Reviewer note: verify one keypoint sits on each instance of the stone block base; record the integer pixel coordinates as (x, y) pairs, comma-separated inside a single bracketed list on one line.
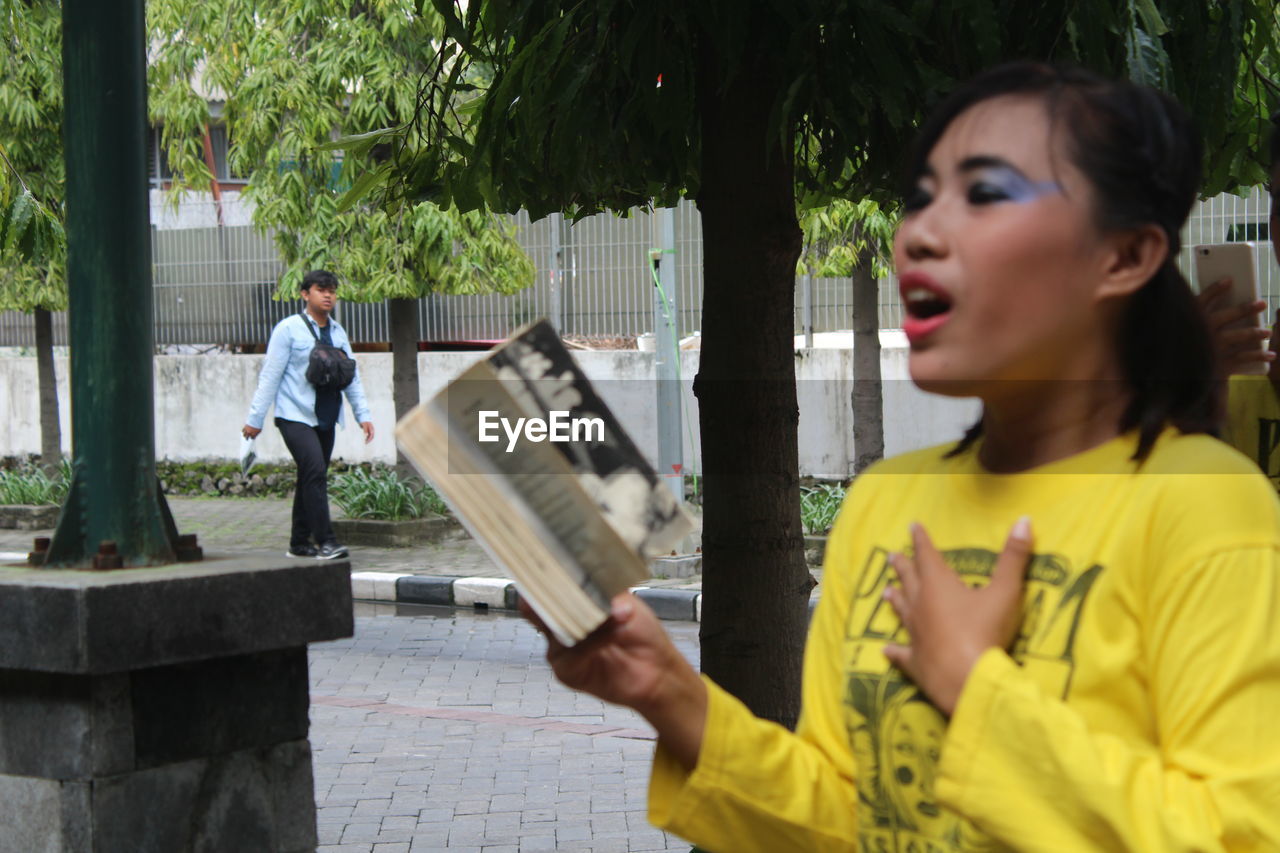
[(208, 755), (683, 566), (21, 517), (395, 534), (162, 710), (255, 799), (815, 549)]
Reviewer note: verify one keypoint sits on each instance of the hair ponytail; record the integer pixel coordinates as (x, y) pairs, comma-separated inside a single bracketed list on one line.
[(1168, 360)]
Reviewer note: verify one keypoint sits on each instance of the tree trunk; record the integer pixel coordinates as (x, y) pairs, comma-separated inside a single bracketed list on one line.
[(50, 428), (868, 394), (403, 317), (755, 583)]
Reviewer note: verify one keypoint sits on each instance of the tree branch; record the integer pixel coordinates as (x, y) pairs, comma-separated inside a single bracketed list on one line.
[(16, 174)]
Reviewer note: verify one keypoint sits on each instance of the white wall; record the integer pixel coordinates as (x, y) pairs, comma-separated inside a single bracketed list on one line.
[(201, 402), (198, 210), (20, 403)]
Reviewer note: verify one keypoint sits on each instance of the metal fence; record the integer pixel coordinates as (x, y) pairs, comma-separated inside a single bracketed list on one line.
[(1221, 219), (593, 279), (1231, 218), (215, 284)]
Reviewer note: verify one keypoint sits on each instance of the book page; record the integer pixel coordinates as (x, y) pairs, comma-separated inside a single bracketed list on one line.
[(510, 535), (539, 475), (540, 471), (542, 377)]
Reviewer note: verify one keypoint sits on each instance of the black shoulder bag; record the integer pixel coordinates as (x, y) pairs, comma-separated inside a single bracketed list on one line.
[(330, 368)]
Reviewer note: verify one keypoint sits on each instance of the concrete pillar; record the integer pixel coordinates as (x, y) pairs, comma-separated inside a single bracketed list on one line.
[(162, 710)]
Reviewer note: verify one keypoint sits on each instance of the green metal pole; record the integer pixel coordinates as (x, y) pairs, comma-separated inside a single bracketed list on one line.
[(114, 494)]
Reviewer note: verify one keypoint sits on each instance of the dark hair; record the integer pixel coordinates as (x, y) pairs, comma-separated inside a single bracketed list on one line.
[(1140, 152), (324, 279)]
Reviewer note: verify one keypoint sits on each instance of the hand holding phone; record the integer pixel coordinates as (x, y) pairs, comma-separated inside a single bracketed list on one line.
[(1235, 318)]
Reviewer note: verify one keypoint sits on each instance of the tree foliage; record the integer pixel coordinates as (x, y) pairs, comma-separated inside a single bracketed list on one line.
[(32, 246), (594, 105), (843, 235), (293, 75)]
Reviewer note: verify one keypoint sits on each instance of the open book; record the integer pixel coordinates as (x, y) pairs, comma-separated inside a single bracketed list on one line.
[(541, 473)]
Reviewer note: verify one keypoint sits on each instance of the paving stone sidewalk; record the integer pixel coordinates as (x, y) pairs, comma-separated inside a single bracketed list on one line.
[(257, 525), (440, 729)]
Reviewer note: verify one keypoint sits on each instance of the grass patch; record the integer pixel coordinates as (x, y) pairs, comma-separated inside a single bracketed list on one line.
[(381, 495), (819, 506), (28, 485)]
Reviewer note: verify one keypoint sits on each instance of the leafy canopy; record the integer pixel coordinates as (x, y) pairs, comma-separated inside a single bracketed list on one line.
[(291, 75), (296, 72), (350, 76), (595, 104), (32, 246), (843, 236)]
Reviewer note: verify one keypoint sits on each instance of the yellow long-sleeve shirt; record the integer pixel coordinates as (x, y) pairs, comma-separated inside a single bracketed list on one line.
[(1139, 709), (1253, 422)]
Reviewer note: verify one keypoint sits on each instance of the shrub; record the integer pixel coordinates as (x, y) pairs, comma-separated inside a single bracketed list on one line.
[(29, 485), (379, 494), (222, 478), (819, 506)]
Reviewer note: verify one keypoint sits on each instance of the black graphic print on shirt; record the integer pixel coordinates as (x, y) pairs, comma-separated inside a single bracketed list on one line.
[(896, 734), (1268, 443)]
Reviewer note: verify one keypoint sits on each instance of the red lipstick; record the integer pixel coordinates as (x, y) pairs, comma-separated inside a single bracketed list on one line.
[(927, 305)]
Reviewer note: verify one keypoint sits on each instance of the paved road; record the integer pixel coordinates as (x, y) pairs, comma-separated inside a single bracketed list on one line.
[(444, 729)]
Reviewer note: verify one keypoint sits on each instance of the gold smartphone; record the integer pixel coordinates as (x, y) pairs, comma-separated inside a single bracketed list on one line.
[(1235, 261)]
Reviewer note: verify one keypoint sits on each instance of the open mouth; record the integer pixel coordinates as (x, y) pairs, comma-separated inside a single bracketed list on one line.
[(925, 304)]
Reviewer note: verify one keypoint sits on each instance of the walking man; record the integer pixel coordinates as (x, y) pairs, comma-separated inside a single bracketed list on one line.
[(307, 416)]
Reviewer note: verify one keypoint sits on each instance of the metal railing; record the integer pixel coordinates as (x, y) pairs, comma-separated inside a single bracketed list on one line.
[(1223, 218), (215, 284)]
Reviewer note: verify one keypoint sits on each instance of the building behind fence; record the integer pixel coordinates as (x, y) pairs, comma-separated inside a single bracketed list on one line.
[(215, 284)]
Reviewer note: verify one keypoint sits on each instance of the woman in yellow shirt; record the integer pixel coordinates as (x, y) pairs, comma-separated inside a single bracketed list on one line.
[(1058, 634), (1252, 422)]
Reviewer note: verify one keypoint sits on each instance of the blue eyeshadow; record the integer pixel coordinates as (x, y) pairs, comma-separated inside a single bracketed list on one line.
[(1016, 186)]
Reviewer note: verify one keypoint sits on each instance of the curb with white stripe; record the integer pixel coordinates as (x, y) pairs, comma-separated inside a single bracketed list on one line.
[(498, 593)]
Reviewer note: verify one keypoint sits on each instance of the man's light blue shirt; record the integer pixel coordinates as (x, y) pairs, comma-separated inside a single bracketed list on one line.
[(283, 380)]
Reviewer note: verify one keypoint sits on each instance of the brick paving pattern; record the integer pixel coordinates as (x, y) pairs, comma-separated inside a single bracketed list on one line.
[(445, 730)]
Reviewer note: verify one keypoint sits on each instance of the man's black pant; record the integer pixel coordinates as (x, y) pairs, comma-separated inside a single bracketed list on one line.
[(311, 448)]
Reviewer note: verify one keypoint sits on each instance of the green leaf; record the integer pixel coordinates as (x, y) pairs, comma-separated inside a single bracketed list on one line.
[(359, 144), (1152, 22), (16, 234), (362, 187), (1146, 60)]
